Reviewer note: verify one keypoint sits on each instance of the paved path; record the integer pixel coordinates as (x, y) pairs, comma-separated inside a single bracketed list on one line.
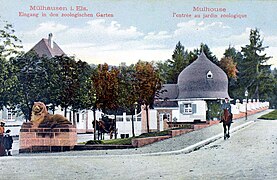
[(249, 154)]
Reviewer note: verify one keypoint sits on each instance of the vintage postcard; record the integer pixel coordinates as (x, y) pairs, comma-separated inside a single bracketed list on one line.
[(178, 88)]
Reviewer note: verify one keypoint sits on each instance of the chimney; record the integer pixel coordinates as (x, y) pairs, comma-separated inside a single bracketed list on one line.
[(50, 41)]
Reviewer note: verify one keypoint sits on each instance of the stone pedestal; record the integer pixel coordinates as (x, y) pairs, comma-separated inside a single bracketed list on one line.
[(62, 137)]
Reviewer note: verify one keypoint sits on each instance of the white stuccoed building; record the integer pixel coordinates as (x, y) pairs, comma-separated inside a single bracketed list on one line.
[(187, 101)]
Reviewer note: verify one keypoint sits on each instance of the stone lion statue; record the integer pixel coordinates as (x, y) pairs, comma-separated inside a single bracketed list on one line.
[(40, 115)]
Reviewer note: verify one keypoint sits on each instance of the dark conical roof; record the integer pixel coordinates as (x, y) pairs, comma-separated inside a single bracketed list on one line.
[(202, 79)]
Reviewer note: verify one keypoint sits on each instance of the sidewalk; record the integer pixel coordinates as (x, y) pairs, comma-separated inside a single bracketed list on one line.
[(172, 144)]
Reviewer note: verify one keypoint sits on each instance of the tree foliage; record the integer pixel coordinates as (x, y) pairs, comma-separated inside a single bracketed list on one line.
[(105, 82), (31, 85), (9, 42), (193, 55), (9, 46), (69, 84), (148, 85), (234, 88), (253, 71), (128, 94), (229, 66), (177, 63)]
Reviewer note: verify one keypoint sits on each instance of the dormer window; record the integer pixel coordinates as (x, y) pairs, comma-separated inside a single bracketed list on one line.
[(209, 75)]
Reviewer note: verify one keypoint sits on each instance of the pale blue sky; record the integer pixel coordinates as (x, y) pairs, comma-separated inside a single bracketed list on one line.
[(143, 30)]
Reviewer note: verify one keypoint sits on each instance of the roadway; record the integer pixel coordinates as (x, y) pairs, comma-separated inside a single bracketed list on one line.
[(250, 153)]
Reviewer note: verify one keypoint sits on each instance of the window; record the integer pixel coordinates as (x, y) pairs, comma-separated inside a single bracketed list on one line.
[(165, 116), (209, 75), (119, 118), (78, 117), (187, 108), (11, 114)]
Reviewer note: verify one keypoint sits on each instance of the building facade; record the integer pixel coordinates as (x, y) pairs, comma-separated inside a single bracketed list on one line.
[(187, 101)]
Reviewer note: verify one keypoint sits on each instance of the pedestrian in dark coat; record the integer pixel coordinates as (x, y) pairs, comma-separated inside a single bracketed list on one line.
[(8, 141)]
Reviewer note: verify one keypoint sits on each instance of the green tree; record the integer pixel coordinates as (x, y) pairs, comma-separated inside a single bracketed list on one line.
[(273, 98), (235, 58), (163, 68), (254, 74), (177, 64), (193, 55), (9, 42), (51, 87), (31, 85), (83, 97), (9, 47), (128, 94), (69, 84)]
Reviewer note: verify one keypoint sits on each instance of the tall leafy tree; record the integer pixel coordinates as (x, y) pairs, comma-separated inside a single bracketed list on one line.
[(105, 83), (253, 71), (128, 94), (9, 42), (193, 55), (31, 82), (208, 53), (273, 97), (148, 85), (7, 81), (52, 82), (235, 57), (229, 66), (9, 47), (163, 68), (69, 84), (83, 97)]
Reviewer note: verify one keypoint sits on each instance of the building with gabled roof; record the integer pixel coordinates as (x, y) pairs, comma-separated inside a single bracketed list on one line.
[(48, 47)]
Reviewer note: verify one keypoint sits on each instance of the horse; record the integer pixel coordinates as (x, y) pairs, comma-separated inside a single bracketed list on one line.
[(105, 126), (226, 119)]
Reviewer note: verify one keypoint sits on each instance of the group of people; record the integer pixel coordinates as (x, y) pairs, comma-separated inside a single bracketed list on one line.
[(6, 141)]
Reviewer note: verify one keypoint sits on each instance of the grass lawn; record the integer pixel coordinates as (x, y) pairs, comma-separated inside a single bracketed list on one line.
[(127, 141), (270, 116)]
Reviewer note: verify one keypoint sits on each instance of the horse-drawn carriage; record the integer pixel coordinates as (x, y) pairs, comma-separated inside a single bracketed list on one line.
[(105, 125)]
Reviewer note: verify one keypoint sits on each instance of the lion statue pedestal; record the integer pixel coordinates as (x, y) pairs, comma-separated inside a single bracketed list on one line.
[(46, 133)]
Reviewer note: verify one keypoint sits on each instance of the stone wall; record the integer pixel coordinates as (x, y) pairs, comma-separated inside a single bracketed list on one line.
[(45, 139)]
